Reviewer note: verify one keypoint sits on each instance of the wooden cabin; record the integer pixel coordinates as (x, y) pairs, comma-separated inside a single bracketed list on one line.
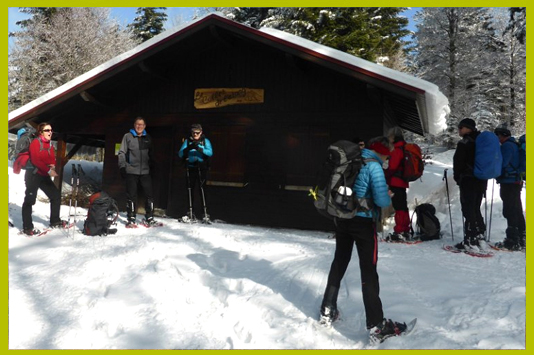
[(270, 103)]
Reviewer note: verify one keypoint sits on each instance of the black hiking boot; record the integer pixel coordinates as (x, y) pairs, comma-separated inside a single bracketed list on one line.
[(59, 224), (328, 315)]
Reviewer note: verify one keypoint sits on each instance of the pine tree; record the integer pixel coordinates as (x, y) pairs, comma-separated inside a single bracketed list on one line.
[(149, 22)]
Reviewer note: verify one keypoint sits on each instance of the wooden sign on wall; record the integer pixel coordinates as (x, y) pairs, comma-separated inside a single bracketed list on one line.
[(220, 97)]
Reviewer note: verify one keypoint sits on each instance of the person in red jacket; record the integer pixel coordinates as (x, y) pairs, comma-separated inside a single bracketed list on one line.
[(398, 186), (39, 176)]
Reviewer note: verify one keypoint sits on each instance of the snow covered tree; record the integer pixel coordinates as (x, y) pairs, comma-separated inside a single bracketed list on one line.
[(149, 22), (49, 52), (458, 49)]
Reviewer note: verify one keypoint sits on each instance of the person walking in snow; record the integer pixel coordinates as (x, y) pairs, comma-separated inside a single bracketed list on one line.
[(42, 157), (196, 151), (135, 165), (361, 230), (398, 186), (472, 190), (511, 184)]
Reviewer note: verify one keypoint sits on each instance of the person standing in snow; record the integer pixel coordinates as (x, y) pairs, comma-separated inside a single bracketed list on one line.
[(511, 184), (472, 190), (361, 230), (135, 164), (398, 185), (195, 151), (43, 159)]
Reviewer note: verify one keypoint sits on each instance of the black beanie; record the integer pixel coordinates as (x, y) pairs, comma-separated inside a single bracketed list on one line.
[(468, 123)]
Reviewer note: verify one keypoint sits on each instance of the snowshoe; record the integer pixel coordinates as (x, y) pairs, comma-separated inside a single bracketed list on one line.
[(33, 232), (328, 316), (388, 328), (149, 223), (187, 219), (206, 219), (131, 224)]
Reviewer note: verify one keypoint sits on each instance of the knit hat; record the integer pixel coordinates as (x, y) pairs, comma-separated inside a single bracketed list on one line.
[(196, 126), (468, 123), (502, 130), (380, 148)]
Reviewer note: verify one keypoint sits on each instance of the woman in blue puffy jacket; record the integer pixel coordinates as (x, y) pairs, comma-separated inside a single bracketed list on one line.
[(361, 230), (195, 151)]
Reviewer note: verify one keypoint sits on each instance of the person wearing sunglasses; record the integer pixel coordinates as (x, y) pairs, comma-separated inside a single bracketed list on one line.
[(135, 162), (39, 176), (195, 152)]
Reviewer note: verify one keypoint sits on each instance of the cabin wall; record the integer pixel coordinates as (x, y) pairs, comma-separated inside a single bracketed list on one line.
[(265, 155)]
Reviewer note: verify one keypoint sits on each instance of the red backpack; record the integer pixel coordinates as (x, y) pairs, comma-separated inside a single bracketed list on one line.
[(413, 164)]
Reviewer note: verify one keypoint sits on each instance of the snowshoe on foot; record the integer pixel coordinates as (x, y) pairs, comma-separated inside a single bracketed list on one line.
[(188, 219), (58, 225), (386, 329), (131, 223), (328, 316), (31, 232)]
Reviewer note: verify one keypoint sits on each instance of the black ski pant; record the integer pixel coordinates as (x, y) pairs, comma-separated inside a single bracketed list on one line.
[(35, 182), (132, 184), (512, 208), (362, 232), (196, 181), (472, 190)]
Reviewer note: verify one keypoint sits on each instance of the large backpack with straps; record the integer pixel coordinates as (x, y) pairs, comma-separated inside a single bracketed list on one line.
[(103, 212), (488, 156), (428, 226), (333, 194), (25, 136), (413, 164)]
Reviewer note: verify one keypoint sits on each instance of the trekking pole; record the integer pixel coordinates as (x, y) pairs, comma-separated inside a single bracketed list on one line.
[(485, 214), (206, 218), (491, 208), (448, 199), (73, 173), (190, 195), (80, 171)]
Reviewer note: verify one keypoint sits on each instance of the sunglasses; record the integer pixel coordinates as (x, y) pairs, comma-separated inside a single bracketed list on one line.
[(47, 130), (196, 132)]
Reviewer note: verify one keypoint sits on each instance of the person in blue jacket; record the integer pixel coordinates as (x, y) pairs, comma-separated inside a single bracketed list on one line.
[(361, 230), (511, 184), (196, 151)]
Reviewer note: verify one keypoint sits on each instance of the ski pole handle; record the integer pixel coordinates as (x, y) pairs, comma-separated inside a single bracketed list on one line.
[(445, 174)]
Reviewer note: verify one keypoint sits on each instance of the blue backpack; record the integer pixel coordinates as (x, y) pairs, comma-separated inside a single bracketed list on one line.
[(488, 157)]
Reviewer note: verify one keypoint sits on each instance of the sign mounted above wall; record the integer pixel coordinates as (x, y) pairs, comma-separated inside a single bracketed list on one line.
[(220, 97)]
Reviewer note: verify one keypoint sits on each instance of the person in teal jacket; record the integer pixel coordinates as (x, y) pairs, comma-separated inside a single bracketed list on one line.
[(196, 152), (361, 230)]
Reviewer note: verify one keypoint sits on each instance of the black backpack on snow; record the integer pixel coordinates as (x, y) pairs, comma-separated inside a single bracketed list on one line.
[(333, 194), (103, 212), (428, 226)]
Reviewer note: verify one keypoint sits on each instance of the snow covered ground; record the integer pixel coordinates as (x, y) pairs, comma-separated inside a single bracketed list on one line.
[(226, 286)]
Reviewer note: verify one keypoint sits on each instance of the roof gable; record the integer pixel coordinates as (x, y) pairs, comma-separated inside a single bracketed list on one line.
[(432, 105)]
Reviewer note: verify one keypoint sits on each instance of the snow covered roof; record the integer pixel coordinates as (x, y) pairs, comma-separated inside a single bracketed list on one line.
[(432, 105)]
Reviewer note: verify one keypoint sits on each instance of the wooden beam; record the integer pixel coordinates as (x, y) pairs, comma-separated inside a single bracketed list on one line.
[(90, 98)]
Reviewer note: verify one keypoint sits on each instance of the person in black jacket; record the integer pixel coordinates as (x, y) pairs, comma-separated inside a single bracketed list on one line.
[(471, 189), (135, 162)]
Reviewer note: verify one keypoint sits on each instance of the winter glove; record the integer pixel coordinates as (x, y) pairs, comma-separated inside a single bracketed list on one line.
[(123, 172), (199, 149)]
